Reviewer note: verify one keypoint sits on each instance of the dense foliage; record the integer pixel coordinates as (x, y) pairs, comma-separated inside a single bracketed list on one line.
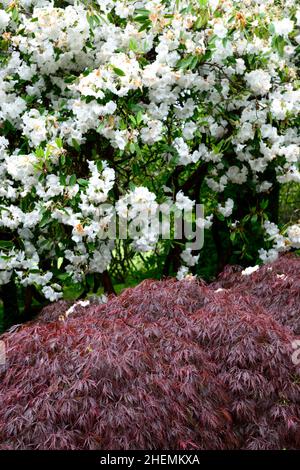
[(276, 288), (138, 103), (165, 365)]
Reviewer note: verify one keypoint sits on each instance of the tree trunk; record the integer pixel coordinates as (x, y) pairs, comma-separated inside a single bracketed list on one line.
[(107, 283), (223, 244), (9, 295), (172, 261)]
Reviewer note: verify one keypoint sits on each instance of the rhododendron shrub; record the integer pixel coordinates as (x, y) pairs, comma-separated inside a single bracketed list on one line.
[(136, 104), (165, 365)]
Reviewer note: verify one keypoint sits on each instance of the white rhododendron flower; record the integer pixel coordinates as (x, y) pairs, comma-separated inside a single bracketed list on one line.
[(4, 20), (188, 258), (226, 210), (283, 27), (182, 273), (259, 81), (293, 233), (220, 30), (250, 270)]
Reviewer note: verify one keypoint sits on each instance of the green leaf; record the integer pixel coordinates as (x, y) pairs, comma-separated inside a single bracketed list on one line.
[(14, 14), (100, 127), (194, 63), (62, 180), (142, 12), (59, 142), (45, 219), (63, 276), (145, 26), (133, 45), (93, 20), (6, 244), (119, 72), (73, 291), (132, 147), (202, 19), (264, 204), (90, 280), (132, 120), (185, 62), (76, 145), (142, 16), (70, 79), (60, 261), (279, 44), (39, 152), (139, 118), (72, 180), (271, 28), (82, 182)]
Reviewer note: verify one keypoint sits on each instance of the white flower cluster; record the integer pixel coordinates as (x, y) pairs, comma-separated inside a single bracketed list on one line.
[(138, 211), (281, 241), (226, 210)]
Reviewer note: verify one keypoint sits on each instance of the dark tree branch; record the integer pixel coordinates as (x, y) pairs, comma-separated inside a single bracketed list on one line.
[(9, 295), (107, 283), (194, 182)]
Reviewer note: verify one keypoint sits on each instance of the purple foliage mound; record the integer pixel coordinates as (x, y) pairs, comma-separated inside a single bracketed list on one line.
[(166, 365), (275, 287)]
